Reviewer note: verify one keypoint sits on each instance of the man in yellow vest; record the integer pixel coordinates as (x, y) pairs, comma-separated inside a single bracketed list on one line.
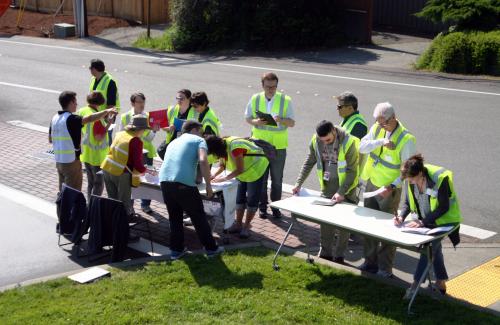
[(388, 144), (352, 120), (95, 144), (431, 195), (279, 106), (334, 152), (104, 83), (138, 102)]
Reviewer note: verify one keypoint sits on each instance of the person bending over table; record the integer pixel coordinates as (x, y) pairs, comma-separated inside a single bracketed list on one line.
[(429, 193), (245, 161), (335, 154)]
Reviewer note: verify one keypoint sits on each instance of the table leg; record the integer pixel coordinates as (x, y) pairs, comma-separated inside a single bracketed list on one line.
[(428, 248), (276, 266), (308, 248)]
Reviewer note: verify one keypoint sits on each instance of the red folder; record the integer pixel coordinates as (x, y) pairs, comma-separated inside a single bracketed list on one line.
[(158, 117)]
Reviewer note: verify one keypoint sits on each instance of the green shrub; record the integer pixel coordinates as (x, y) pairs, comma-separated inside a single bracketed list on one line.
[(463, 52)]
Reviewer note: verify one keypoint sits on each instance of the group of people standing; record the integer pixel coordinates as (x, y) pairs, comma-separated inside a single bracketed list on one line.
[(345, 156)]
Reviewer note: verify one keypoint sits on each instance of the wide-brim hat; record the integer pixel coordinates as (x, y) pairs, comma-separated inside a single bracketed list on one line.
[(138, 122)]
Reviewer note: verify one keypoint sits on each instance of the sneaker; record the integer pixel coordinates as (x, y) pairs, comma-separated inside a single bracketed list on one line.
[(263, 214), (217, 252), (245, 233), (234, 229), (277, 214), (187, 221), (385, 274), (366, 267), (147, 209), (175, 255), (339, 260)]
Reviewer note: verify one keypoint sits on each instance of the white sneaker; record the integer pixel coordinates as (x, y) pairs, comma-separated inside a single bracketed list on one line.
[(187, 221)]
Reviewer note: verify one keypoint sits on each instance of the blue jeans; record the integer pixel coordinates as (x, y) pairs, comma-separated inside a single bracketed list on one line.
[(438, 263), (275, 169), (248, 194)]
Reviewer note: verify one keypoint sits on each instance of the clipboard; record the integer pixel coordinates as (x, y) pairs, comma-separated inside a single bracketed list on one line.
[(266, 117)]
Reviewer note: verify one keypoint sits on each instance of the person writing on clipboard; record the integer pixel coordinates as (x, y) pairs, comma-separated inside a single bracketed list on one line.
[(334, 152), (429, 193)]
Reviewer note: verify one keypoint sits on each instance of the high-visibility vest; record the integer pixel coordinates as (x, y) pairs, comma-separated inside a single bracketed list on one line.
[(173, 112), (93, 151), (438, 174), (348, 141), (354, 119), (210, 119), (254, 166), (64, 149), (275, 135), (117, 157), (102, 87), (148, 135), (383, 165)]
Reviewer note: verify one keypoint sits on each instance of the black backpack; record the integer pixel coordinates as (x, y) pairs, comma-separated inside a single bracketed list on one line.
[(269, 150)]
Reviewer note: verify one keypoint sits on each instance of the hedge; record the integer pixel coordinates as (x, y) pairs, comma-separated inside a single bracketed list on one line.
[(463, 52)]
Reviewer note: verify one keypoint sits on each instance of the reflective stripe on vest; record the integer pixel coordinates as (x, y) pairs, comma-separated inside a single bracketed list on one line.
[(383, 168), (147, 137), (102, 87), (64, 149), (275, 135), (341, 161), (173, 112), (254, 166), (93, 151), (210, 119), (117, 158), (438, 174)]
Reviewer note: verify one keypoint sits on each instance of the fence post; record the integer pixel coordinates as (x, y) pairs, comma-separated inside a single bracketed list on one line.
[(149, 18)]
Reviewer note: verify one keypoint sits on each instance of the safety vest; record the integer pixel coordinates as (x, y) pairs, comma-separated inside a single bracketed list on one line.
[(275, 135), (102, 87), (354, 119), (148, 135), (383, 165), (117, 157), (173, 112), (93, 151), (254, 166), (64, 149), (210, 119), (438, 174), (348, 141)]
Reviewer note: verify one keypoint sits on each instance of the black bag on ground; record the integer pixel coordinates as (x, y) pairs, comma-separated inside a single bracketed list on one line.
[(269, 150)]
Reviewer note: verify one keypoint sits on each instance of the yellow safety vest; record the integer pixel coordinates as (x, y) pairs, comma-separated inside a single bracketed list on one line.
[(254, 166), (148, 135), (173, 112), (438, 174), (102, 87), (354, 119), (210, 119), (349, 140), (93, 151), (275, 135), (383, 165)]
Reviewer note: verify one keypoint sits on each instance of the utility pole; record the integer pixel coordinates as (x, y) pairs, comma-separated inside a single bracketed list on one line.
[(149, 19)]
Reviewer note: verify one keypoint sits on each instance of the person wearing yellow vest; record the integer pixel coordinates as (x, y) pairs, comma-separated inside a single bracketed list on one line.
[(206, 115), (352, 120), (246, 162), (104, 83), (124, 161), (138, 102), (431, 195), (181, 111), (65, 134), (279, 106), (387, 145), (334, 152), (95, 144)]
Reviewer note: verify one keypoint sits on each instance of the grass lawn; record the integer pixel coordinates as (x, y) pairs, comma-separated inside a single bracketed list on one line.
[(239, 287)]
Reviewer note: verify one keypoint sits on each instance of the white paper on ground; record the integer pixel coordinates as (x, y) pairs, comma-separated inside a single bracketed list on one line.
[(89, 275), (367, 195)]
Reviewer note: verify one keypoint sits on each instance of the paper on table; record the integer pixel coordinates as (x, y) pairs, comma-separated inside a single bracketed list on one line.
[(154, 179), (367, 195)]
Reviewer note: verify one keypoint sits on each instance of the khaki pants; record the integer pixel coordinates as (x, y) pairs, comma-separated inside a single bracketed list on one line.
[(70, 174), (378, 253), (119, 188)]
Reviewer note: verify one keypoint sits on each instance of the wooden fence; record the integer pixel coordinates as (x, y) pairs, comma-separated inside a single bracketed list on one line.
[(135, 10)]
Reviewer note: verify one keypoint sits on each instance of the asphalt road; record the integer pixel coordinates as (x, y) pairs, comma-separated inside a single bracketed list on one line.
[(455, 119)]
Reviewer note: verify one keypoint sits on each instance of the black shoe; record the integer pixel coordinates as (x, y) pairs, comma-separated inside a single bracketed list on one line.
[(365, 267), (328, 258), (133, 238), (277, 214), (339, 260), (263, 214)]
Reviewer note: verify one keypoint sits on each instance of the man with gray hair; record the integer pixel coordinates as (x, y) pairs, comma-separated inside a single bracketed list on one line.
[(388, 145), (352, 121)]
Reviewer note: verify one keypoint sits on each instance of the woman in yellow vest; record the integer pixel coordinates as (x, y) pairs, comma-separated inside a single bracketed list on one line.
[(95, 144), (246, 162), (181, 111), (206, 115), (138, 102), (429, 193)]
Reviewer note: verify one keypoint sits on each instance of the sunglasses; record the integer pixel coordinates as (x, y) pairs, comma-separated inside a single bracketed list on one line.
[(180, 98), (339, 107)]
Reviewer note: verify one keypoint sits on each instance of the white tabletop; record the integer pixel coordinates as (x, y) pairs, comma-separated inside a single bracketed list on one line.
[(353, 218)]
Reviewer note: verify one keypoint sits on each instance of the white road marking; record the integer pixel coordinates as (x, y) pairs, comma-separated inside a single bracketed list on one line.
[(30, 201), (287, 188), (52, 91), (356, 79)]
